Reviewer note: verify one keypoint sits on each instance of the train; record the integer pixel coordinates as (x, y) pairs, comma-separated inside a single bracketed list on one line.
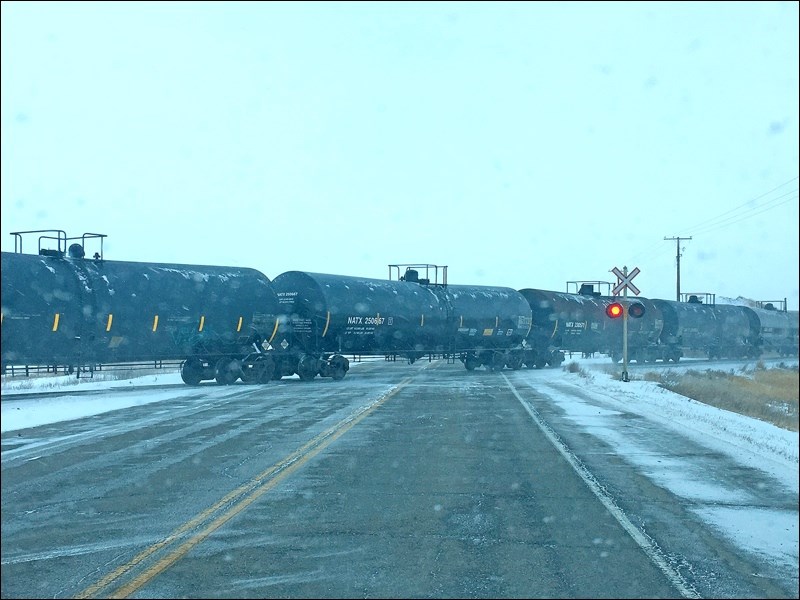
[(666, 330), (225, 324)]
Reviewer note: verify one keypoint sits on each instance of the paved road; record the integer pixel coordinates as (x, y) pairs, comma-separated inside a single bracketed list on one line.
[(402, 480)]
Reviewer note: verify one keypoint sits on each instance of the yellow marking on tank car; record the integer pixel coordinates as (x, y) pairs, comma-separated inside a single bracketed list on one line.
[(327, 322), (202, 322), (488, 331), (155, 323), (108, 324), (239, 326), (274, 331), (56, 319)]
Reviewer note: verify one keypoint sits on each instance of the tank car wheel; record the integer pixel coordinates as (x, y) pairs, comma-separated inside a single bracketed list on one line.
[(192, 371), (339, 367), (471, 362), (556, 358), (307, 368), (527, 358), (673, 354), (497, 362), (249, 371), (267, 372), (514, 361), (227, 371), (540, 362), (282, 367), (260, 371)]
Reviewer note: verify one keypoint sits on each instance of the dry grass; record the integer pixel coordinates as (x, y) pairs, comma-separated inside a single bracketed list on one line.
[(769, 395)]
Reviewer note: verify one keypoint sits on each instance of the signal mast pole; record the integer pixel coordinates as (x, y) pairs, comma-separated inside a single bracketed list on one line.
[(678, 262), (625, 330)]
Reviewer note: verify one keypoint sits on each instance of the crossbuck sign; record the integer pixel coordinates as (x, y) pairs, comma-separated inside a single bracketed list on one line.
[(624, 280)]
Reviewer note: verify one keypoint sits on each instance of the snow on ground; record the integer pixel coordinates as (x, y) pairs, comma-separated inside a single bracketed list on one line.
[(770, 533), (32, 412), (755, 439)]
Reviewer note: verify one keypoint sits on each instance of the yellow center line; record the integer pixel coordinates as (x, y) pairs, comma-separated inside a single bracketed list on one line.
[(247, 493)]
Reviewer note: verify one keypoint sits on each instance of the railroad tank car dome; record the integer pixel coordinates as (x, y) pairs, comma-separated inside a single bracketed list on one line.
[(76, 251), (587, 289)]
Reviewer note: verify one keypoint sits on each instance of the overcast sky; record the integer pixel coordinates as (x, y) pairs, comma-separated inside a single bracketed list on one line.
[(520, 144)]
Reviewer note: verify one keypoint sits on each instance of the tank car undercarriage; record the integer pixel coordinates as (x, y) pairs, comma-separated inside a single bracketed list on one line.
[(263, 367)]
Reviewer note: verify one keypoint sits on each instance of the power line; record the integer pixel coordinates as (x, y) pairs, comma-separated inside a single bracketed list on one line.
[(726, 219), (718, 222), (738, 218), (715, 220)]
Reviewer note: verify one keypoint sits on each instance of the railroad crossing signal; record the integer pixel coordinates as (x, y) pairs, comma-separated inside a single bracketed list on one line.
[(624, 280), (616, 310), (636, 310)]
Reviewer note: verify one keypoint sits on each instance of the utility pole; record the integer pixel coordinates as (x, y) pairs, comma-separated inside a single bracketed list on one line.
[(678, 262)]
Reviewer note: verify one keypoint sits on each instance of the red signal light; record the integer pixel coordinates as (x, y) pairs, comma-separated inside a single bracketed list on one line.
[(614, 310), (636, 310)]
